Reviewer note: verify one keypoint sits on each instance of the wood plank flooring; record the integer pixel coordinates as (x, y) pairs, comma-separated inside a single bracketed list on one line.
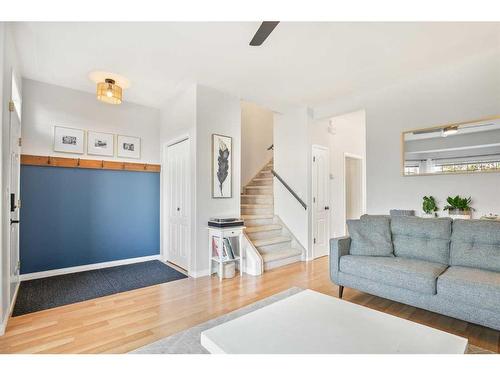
[(125, 321)]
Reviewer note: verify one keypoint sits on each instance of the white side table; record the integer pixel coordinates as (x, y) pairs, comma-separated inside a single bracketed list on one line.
[(218, 258)]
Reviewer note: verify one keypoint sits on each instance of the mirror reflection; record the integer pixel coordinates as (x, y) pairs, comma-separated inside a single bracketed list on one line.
[(458, 148)]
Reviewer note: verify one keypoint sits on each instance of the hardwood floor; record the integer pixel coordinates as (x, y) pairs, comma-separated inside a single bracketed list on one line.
[(125, 321)]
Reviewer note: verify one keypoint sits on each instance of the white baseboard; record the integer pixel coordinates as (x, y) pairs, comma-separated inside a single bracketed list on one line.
[(196, 274), (5, 320), (87, 267), (3, 324)]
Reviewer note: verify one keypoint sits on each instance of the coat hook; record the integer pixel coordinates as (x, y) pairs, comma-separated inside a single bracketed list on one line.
[(48, 160), (78, 162), (102, 163)]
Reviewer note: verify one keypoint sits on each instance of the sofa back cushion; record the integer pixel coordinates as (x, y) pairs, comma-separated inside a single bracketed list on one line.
[(476, 243), (371, 236), (424, 239)]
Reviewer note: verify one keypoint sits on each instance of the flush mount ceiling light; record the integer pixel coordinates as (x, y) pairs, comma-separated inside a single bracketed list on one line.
[(109, 92), (109, 86), (449, 130)]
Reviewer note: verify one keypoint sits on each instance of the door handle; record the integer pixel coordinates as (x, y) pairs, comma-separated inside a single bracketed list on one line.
[(14, 221), (327, 208)]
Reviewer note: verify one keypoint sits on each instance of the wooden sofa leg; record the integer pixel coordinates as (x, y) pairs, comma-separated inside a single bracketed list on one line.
[(341, 291)]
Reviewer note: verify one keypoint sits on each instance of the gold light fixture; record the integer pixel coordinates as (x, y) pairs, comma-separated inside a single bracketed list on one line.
[(109, 92)]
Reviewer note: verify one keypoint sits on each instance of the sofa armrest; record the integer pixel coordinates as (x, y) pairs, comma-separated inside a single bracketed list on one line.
[(338, 247)]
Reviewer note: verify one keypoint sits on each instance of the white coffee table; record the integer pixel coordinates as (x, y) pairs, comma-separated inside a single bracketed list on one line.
[(312, 323)]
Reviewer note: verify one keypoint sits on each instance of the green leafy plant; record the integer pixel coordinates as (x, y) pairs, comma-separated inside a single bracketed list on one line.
[(458, 203), (429, 205)]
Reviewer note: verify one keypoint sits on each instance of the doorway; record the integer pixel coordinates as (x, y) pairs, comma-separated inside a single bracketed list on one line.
[(176, 193), (320, 200), (353, 179)]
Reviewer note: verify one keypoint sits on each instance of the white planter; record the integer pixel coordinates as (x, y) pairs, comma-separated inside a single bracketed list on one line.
[(428, 216), (458, 214)]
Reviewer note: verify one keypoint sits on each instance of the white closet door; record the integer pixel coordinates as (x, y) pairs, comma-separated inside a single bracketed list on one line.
[(320, 201), (178, 209)]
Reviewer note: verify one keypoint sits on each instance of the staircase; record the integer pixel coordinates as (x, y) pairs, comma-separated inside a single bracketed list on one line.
[(273, 241)]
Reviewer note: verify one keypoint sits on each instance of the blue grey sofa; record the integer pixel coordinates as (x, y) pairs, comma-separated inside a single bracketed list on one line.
[(448, 267)]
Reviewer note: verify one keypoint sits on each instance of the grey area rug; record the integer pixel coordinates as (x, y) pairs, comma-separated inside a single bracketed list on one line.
[(188, 341), (54, 291)]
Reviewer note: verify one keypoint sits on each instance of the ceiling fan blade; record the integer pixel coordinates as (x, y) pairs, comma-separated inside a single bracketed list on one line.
[(263, 32)]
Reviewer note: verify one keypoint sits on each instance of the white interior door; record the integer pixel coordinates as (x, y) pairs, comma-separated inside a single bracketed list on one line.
[(320, 201), (178, 206), (14, 186)]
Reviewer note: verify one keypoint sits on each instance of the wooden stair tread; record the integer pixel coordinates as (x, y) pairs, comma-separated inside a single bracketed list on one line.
[(271, 241), (252, 217), (256, 195), (259, 186), (256, 205), (263, 228)]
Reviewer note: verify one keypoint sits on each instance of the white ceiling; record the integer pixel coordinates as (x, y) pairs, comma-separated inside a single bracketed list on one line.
[(300, 63)]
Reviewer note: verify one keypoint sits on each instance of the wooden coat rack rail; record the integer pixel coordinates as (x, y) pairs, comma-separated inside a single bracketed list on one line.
[(54, 161)]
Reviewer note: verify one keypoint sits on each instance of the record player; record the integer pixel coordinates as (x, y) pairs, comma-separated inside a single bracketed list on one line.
[(225, 222)]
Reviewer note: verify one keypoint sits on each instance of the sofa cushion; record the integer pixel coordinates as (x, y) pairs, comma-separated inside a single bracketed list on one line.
[(424, 239), (416, 275), (476, 243), (370, 235), (472, 286)]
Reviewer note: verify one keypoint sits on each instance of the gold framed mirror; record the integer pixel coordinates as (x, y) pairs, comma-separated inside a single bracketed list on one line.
[(464, 147)]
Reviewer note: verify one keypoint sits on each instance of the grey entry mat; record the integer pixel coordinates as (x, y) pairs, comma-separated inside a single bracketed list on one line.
[(54, 291)]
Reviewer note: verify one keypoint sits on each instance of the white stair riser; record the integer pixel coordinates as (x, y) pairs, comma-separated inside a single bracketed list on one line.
[(258, 222), (264, 234), (281, 262), (276, 246)]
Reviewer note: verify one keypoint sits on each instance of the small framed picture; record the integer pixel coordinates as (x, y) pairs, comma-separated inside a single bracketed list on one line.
[(69, 140), (100, 144), (129, 147), (222, 176)]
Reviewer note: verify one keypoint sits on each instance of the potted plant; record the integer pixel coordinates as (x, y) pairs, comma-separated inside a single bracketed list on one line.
[(458, 207), (429, 207)]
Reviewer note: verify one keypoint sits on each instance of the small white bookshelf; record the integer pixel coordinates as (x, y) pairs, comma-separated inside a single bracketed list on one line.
[(224, 246)]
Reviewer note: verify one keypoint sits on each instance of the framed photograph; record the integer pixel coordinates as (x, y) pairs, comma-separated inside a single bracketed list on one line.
[(100, 144), (129, 147), (69, 140), (222, 166)]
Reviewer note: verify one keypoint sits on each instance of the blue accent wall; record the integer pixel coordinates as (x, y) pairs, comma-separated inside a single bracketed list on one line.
[(72, 217)]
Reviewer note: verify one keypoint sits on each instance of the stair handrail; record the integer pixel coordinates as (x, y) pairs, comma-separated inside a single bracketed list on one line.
[(302, 203)]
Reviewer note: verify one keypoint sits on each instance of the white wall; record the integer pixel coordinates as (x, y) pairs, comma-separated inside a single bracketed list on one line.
[(256, 137), (8, 64), (465, 90), (348, 136), (47, 105), (199, 112), (219, 113), (291, 157)]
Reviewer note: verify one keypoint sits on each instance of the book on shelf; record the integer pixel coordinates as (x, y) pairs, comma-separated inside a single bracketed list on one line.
[(229, 248), (216, 251)]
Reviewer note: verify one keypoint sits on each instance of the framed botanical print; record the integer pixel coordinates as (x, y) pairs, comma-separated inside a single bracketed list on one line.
[(222, 155), (128, 147), (100, 144), (69, 140)]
